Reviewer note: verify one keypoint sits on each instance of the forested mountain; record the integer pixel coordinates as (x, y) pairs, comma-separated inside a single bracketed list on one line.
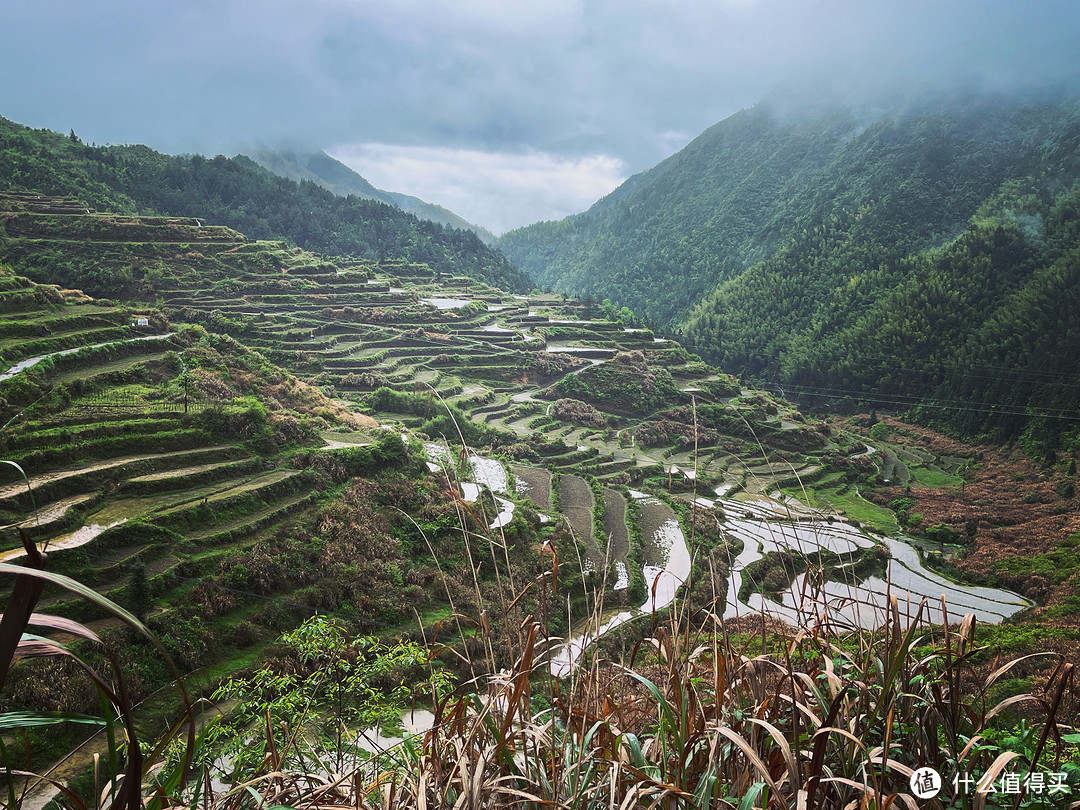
[(914, 172), (335, 176), (983, 329), (922, 252), (239, 193)]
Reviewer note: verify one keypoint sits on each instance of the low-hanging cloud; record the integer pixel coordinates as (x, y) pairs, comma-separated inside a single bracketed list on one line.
[(498, 190), (629, 79)]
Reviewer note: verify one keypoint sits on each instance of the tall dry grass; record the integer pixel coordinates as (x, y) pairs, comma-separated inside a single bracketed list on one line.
[(119, 775), (697, 716), (693, 720)]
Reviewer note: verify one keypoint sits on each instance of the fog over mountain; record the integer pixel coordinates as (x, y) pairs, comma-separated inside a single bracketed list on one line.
[(323, 170), (549, 107)]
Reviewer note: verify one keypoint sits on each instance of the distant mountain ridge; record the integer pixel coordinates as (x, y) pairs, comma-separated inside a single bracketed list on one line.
[(241, 194), (335, 176)]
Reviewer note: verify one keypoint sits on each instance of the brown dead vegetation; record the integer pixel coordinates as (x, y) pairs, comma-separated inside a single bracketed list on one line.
[(1013, 506)]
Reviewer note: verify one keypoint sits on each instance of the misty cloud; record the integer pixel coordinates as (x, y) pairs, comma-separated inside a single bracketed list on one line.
[(629, 79), (500, 191)]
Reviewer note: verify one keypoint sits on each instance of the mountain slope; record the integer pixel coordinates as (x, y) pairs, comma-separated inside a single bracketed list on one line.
[(920, 255), (331, 174), (320, 168), (735, 194), (240, 194), (981, 332)]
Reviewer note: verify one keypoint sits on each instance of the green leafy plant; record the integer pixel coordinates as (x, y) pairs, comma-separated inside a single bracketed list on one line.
[(125, 762), (324, 688)]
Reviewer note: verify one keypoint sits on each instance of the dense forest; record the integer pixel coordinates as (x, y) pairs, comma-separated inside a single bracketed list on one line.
[(912, 174), (240, 194), (982, 329), (922, 255)]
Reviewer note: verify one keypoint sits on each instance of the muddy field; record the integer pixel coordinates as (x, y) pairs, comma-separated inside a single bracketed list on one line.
[(535, 484), (615, 529), (576, 503)]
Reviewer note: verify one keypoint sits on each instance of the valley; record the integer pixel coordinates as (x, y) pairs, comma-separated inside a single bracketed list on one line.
[(917, 251), (248, 433), (539, 406), (583, 408)]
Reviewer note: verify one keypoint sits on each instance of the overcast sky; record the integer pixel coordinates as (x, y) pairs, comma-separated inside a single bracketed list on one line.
[(504, 111)]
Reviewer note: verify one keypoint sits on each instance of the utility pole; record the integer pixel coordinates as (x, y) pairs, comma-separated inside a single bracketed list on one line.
[(184, 372)]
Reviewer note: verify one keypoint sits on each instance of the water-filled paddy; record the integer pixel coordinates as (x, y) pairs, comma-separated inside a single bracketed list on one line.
[(762, 527), (667, 546), (446, 303)]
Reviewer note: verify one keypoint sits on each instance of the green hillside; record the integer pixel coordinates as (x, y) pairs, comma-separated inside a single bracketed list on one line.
[(238, 193), (855, 253), (981, 331), (285, 450), (914, 174)]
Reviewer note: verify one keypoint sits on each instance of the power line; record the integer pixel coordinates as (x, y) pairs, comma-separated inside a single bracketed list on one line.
[(973, 406), (928, 374), (894, 363)]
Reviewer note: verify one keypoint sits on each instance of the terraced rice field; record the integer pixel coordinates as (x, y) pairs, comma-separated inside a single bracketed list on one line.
[(454, 346), (360, 325), (45, 518), (117, 449), (667, 558), (666, 547), (763, 526), (483, 473), (535, 484), (617, 536), (576, 504)]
